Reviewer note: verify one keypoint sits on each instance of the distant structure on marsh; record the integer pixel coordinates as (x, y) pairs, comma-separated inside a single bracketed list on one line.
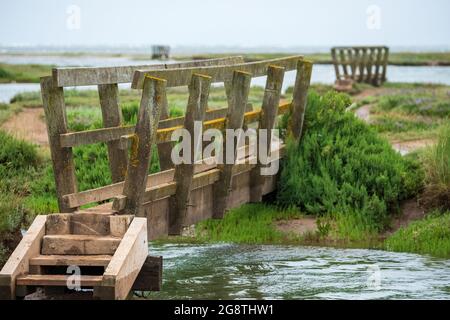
[(160, 52), (359, 64)]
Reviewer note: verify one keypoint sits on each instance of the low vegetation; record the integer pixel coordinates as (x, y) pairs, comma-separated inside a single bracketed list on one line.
[(436, 161), (405, 112), (250, 223), (24, 73), (428, 236)]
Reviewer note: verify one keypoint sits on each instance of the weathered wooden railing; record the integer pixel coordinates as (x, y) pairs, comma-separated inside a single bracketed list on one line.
[(107, 80), (361, 64), (160, 187)]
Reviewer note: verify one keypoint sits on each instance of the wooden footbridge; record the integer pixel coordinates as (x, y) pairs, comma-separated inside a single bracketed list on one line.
[(107, 243)]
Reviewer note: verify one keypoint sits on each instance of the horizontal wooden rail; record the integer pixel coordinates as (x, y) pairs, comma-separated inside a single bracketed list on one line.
[(67, 77), (78, 199), (163, 135), (202, 179), (182, 76)]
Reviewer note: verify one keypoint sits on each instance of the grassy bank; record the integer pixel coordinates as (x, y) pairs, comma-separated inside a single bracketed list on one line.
[(428, 236), (406, 112), (23, 73)]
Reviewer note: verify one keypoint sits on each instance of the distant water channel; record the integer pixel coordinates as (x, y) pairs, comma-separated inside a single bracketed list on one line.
[(225, 271), (321, 73)]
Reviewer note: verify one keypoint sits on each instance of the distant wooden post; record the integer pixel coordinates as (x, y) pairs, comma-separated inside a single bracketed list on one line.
[(235, 118), (335, 63), (195, 112), (344, 63), (269, 109), (143, 139), (112, 117), (63, 166), (385, 62), (298, 105), (377, 80)]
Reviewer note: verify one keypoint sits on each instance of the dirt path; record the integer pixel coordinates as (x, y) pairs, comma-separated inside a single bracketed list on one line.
[(28, 125), (364, 113)]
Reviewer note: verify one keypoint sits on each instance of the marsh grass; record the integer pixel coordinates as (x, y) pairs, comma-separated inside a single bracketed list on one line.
[(436, 161), (250, 224), (428, 236)]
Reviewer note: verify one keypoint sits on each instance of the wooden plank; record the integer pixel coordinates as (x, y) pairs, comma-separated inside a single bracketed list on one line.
[(164, 148), (235, 120), (18, 262), (271, 100), (212, 120), (127, 261), (95, 224), (67, 260), (385, 63), (57, 280), (182, 76), (362, 65), (113, 190), (150, 276), (63, 166), (343, 61), (195, 112), (112, 117), (335, 63), (377, 75), (202, 179), (119, 224), (352, 63), (85, 76), (58, 224), (145, 137), (298, 106), (72, 244)]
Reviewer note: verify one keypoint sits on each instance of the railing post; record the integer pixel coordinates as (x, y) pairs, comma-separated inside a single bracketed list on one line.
[(385, 63), (195, 113), (165, 148), (298, 105), (112, 117), (63, 166), (235, 118), (335, 63), (142, 141), (267, 119)]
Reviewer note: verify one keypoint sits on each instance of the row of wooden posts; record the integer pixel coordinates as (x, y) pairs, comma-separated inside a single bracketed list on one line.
[(361, 64)]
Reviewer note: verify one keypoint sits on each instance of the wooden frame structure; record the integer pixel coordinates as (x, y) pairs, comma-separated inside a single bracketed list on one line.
[(113, 236), (361, 64)]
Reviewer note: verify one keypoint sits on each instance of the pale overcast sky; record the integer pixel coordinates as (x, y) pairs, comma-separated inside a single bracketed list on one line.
[(284, 23)]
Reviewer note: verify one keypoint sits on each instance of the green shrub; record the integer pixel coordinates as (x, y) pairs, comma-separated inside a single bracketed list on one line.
[(428, 236), (4, 74), (16, 155), (343, 169)]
